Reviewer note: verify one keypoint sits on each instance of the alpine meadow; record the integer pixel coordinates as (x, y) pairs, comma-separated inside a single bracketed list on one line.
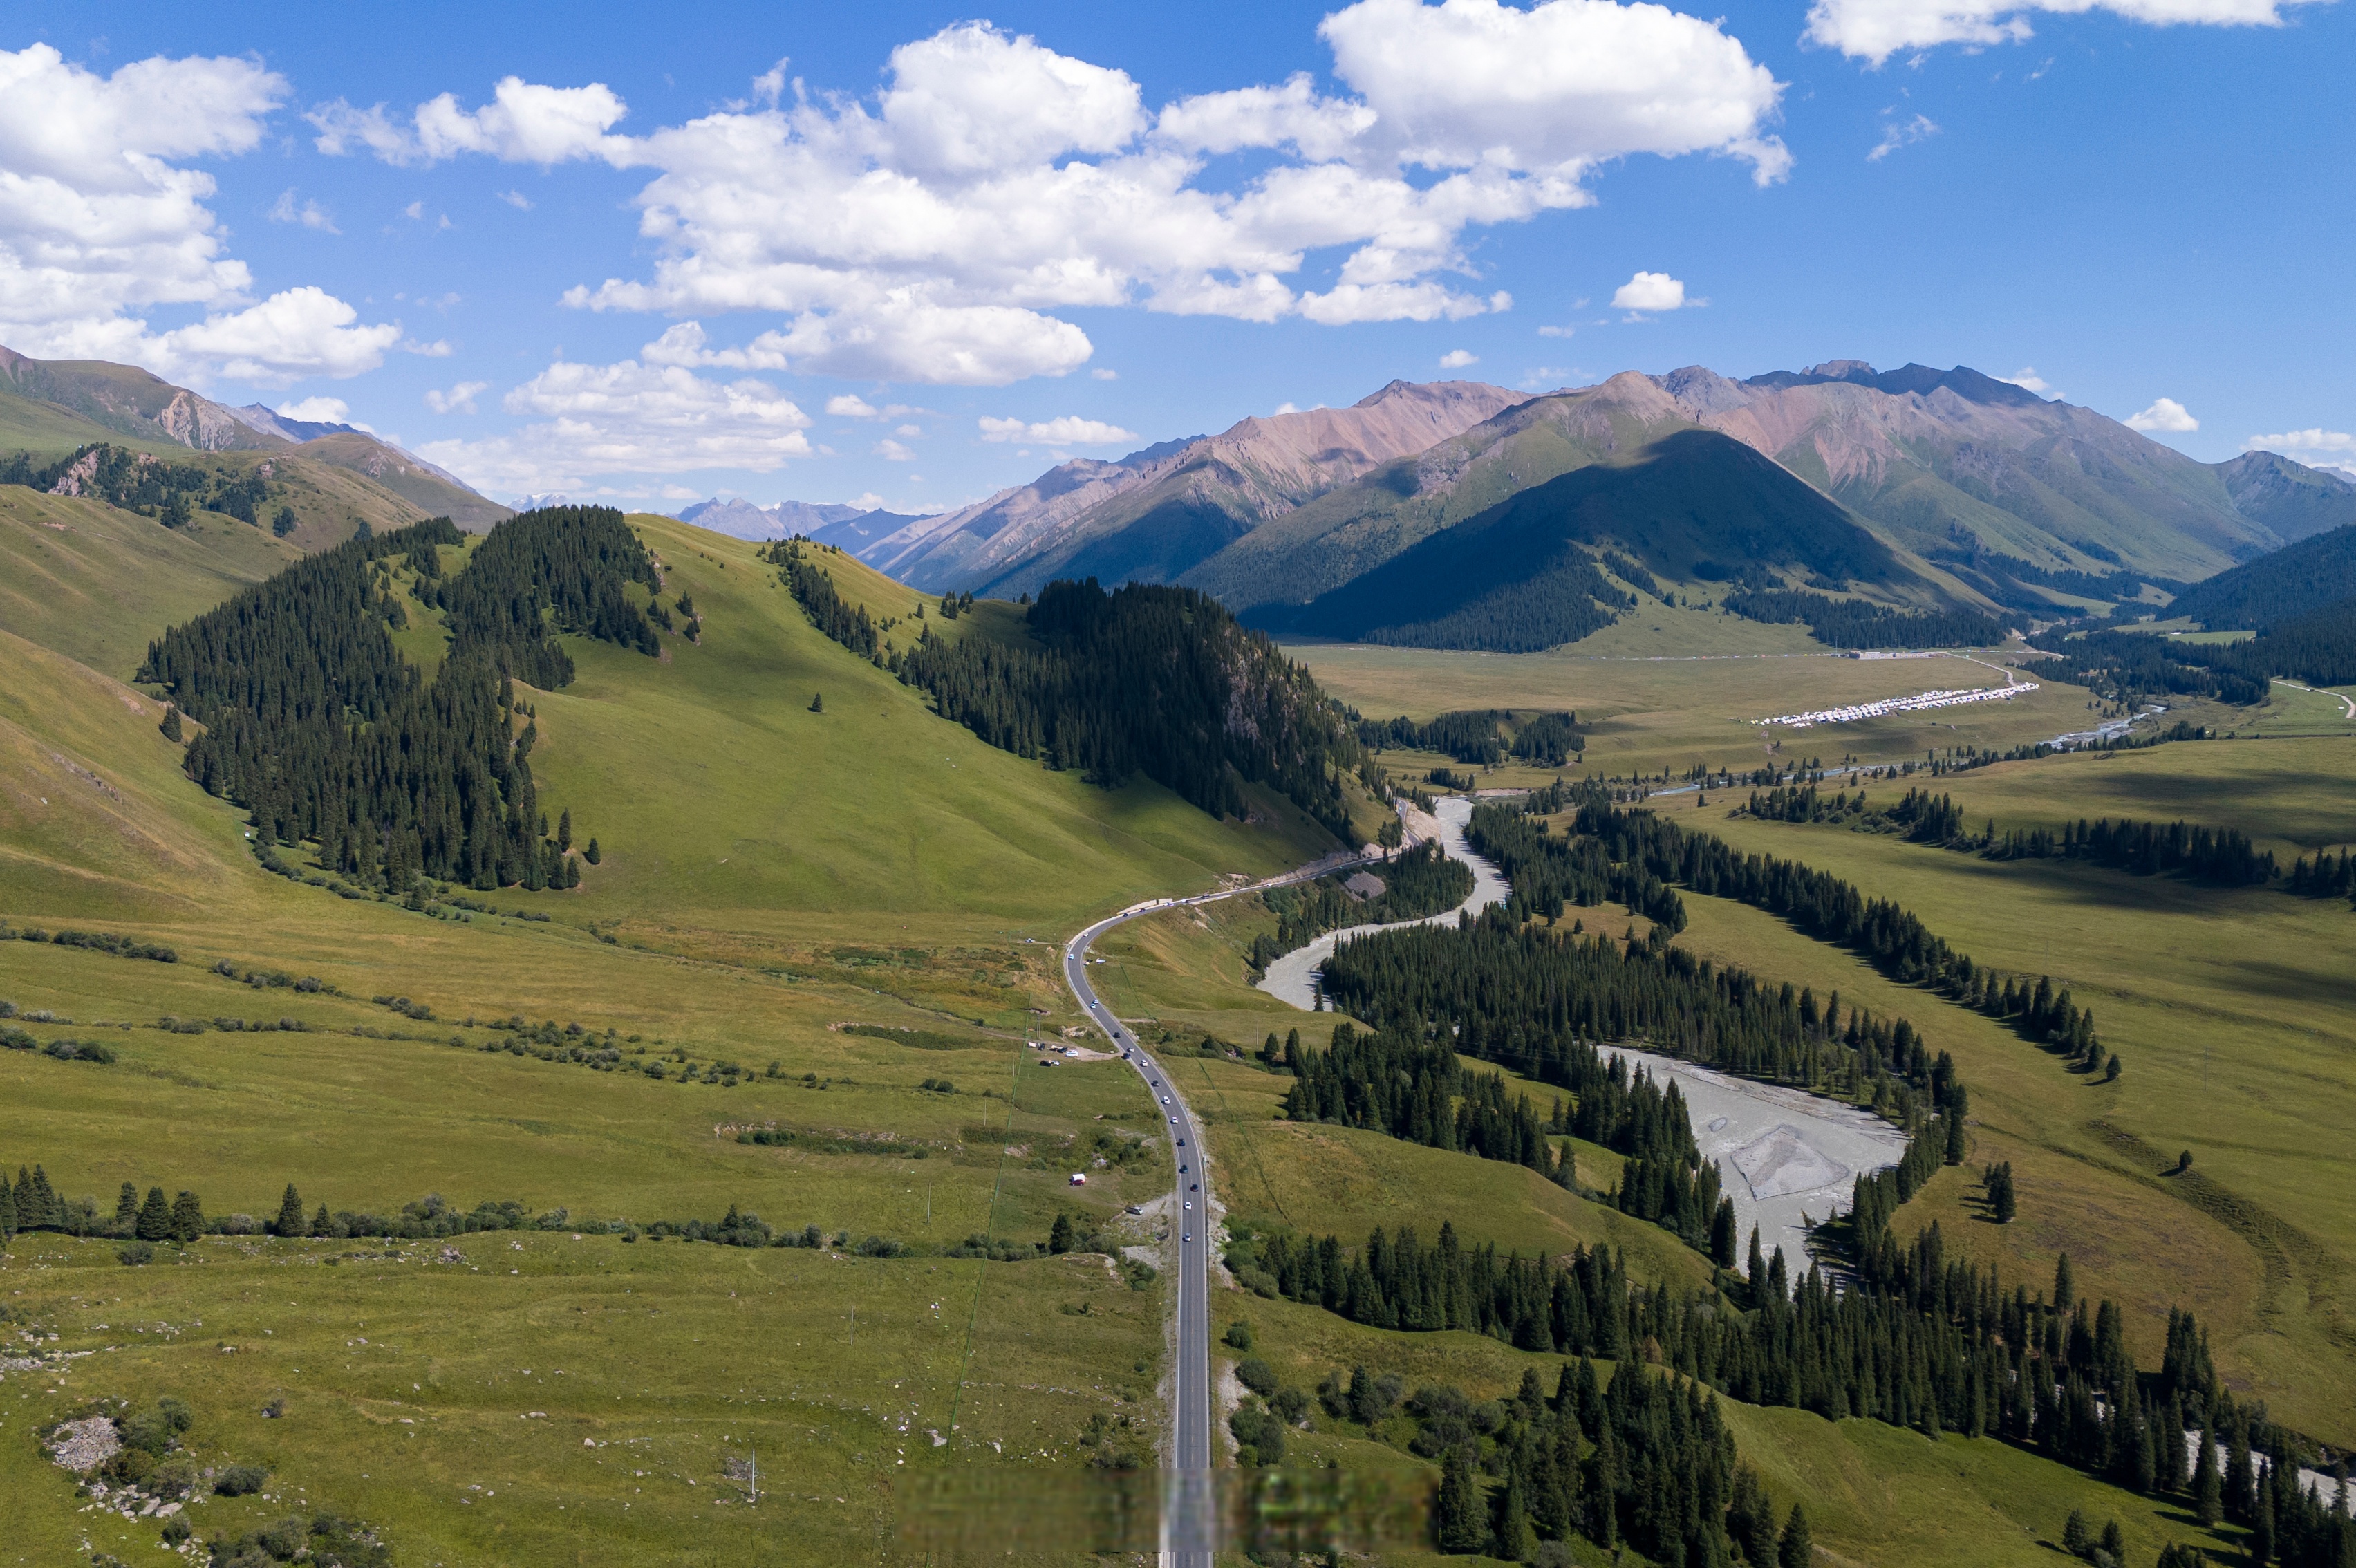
[(1635, 966)]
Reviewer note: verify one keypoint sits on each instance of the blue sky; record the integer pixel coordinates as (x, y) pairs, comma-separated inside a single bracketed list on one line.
[(911, 252)]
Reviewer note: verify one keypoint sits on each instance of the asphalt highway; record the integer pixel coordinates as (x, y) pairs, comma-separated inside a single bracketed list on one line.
[(1189, 1521)]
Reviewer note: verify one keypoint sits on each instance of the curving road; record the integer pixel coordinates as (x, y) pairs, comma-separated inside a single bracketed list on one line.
[(1189, 1521)]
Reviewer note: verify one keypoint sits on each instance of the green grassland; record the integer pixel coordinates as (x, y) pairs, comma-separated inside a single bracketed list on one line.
[(768, 873), (547, 1399), (97, 584), (1649, 712), (2292, 796), (2231, 1011), (2253, 1242), (771, 874)]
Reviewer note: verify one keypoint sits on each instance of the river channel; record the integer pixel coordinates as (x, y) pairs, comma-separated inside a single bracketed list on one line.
[(1294, 977), (1788, 1158)]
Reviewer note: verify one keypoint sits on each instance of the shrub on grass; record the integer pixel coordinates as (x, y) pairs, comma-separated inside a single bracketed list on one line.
[(133, 1253), (1259, 1437), (240, 1480), (1256, 1375)]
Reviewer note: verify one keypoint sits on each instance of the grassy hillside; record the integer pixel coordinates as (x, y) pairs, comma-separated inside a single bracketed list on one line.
[(94, 400), (717, 794), (1694, 506), (30, 424), (2230, 1009), (771, 875), (2311, 575), (1319, 546), (97, 584), (426, 490)]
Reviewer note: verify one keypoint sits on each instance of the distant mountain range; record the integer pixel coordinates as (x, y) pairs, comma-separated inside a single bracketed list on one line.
[(1153, 515), (829, 522), (56, 405), (1942, 489), (1524, 574)]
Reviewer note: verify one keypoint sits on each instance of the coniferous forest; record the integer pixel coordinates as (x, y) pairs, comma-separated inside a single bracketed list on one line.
[(1480, 737), (1851, 623), (2223, 856), (315, 723), (1907, 1337), (2317, 647), (1145, 679), (139, 482), (1641, 849)]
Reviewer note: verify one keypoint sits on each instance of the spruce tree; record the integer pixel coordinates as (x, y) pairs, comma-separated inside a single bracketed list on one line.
[(126, 1209), (592, 855), (1794, 1549), (27, 1217), (2115, 1542), (1513, 1539), (1059, 1237), (321, 1224), (2065, 1293), (1954, 1138), (46, 1208), (2077, 1535), (155, 1222), (1721, 1234), (187, 1218), (818, 701), (290, 1213), (1457, 1525), (7, 1214), (171, 726), (564, 829)]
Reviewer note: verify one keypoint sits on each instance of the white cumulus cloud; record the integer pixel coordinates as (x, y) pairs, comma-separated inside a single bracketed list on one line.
[(890, 451), (524, 123), (1648, 291), (1069, 430), (1873, 30), (2315, 446), (850, 406), (2027, 379), (318, 410), (459, 399), (627, 418), (2165, 414), (101, 223), (1457, 358), (930, 232)]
